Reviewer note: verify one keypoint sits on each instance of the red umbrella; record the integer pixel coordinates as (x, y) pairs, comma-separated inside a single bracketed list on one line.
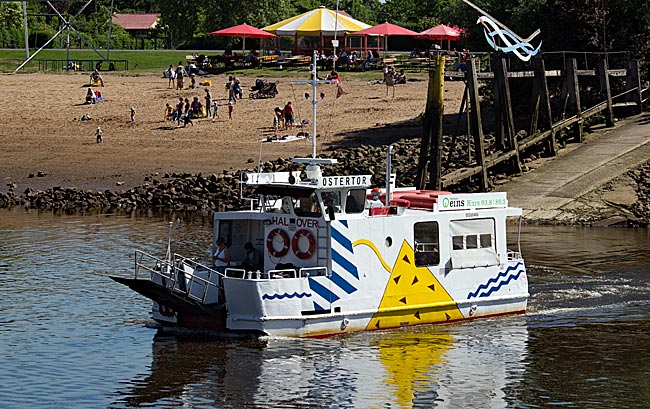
[(243, 31), (386, 29), (440, 32)]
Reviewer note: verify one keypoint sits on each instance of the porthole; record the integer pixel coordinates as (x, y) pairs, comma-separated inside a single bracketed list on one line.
[(389, 241)]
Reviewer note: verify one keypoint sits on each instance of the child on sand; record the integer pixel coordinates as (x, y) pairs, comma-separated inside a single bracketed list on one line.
[(215, 109), (98, 134), (132, 114), (230, 109)]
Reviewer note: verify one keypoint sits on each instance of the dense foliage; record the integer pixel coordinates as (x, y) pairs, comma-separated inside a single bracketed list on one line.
[(588, 25)]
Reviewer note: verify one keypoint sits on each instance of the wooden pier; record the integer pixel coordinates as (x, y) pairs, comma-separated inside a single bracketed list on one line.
[(545, 125)]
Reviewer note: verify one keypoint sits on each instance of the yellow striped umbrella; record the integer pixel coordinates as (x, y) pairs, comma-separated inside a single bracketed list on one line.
[(320, 21)]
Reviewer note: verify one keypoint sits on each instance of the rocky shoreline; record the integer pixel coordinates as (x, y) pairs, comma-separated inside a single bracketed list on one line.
[(219, 192)]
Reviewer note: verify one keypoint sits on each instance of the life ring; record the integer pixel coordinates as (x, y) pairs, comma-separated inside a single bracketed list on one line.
[(303, 255), (285, 243)]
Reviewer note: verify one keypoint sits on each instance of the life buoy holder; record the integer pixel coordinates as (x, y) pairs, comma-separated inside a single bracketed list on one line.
[(285, 243), (303, 255)]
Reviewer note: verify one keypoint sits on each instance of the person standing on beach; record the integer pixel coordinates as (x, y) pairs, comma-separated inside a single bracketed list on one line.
[(231, 107), (215, 110), (208, 103), (132, 114), (171, 76), (98, 134), (179, 110), (288, 115), (180, 73)]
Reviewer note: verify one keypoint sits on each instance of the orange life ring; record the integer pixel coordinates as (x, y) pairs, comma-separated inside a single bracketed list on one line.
[(303, 255), (285, 243)]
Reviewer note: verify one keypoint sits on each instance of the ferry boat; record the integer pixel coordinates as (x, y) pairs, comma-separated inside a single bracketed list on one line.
[(338, 254)]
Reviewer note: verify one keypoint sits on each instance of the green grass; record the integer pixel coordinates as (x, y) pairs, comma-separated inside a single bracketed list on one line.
[(151, 61)]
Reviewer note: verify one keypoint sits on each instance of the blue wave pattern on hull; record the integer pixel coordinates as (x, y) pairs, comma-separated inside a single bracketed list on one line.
[(285, 295), (503, 276)]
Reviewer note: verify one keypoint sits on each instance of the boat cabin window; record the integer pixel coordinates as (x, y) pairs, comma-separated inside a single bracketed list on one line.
[(473, 243), (427, 244), (306, 206), (355, 201)]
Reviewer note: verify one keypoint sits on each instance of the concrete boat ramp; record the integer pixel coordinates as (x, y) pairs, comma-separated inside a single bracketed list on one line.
[(565, 188)]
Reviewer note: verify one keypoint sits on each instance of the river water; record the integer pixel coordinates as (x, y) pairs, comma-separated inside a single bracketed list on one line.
[(72, 338)]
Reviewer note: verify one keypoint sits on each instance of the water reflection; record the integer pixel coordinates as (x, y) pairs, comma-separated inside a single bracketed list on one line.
[(441, 366)]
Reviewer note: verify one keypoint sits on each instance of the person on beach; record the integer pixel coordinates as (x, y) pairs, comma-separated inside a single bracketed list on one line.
[(180, 74), (196, 108), (231, 107), (98, 135), (169, 113), (215, 109), (288, 115), (91, 98), (132, 114), (208, 103), (179, 110), (171, 76), (277, 118), (192, 81), (95, 76), (187, 107)]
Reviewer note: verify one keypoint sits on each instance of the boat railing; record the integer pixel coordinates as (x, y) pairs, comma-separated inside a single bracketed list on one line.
[(514, 255), (156, 269), (197, 280)]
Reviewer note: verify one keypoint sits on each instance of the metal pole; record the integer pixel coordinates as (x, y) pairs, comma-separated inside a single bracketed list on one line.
[(389, 151), (26, 29), (336, 27), (314, 82), (110, 30)]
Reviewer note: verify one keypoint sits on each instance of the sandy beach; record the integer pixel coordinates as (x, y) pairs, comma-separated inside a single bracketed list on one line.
[(41, 131)]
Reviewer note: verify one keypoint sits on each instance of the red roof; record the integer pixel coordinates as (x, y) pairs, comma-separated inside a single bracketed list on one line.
[(136, 21)]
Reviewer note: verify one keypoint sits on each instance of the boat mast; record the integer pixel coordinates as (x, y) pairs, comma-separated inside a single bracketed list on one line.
[(314, 81)]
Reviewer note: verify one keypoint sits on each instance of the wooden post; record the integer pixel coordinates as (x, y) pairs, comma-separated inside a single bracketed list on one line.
[(500, 139), (437, 113), (479, 143), (574, 96), (423, 161), (511, 140), (606, 91), (545, 100), (633, 80)]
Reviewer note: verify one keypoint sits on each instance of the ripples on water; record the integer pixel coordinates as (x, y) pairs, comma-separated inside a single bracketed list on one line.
[(71, 337)]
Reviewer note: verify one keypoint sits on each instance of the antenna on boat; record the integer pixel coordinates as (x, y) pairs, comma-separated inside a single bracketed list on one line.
[(168, 256), (389, 152)]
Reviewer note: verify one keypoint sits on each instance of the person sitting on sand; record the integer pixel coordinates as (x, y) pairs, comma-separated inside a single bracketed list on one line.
[(90, 96), (95, 76), (196, 108)]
